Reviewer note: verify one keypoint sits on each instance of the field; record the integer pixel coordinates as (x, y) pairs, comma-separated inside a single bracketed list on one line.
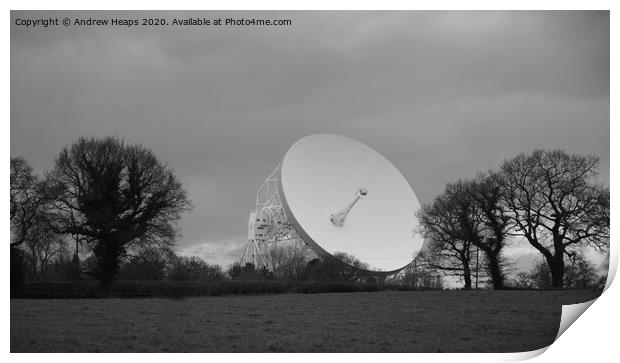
[(387, 321)]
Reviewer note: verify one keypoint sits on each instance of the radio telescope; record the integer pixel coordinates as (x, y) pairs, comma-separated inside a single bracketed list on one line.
[(335, 194)]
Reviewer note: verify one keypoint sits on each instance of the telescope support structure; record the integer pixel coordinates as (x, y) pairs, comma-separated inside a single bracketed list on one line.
[(268, 225)]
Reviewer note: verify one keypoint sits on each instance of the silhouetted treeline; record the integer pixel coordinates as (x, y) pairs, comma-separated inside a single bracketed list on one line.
[(548, 198)]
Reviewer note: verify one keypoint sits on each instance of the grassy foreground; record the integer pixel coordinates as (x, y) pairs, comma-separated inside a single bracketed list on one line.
[(386, 321)]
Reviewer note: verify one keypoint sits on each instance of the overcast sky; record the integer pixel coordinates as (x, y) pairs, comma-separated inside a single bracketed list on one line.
[(441, 94)]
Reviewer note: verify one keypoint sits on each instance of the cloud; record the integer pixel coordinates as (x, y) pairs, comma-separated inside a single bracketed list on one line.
[(440, 94)]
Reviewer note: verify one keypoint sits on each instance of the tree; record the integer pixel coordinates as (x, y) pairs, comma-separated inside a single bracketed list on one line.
[(26, 200), (150, 263), (61, 268), (468, 213), (489, 226), (603, 272), (30, 229), (287, 261), (419, 276), (235, 270), (117, 196), (541, 276), (42, 247), (249, 272), (523, 281), (349, 267), (446, 248), (554, 203), (338, 267), (194, 269), (321, 270), (580, 273)]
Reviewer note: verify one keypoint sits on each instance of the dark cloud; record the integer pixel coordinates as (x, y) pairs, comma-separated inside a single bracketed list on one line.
[(441, 94)]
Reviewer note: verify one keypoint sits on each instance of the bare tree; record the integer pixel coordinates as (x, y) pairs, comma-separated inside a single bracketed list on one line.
[(147, 263), (580, 273), (275, 257), (42, 246), (554, 203), (540, 275), (116, 196), (445, 247), (287, 261), (450, 257), (524, 280), (30, 229), (489, 226), (26, 200), (419, 275), (193, 269)]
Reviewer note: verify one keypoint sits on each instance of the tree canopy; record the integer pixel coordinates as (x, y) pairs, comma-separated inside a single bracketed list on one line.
[(555, 203), (26, 200), (116, 196)]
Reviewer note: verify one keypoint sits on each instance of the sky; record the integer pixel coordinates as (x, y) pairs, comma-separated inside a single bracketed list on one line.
[(442, 95)]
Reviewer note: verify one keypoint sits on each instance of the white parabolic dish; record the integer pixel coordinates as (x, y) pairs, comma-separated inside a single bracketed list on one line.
[(323, 174)]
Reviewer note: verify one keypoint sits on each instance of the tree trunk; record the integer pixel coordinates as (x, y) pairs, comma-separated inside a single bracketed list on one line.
[(17, 268), (556, 266), (76, 266), (107, 253), (76, 259), (556, 263), (497, 277), (467, 275), (495, 270)]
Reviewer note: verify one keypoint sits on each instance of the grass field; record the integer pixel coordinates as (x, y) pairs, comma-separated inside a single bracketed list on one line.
[(388, 321)]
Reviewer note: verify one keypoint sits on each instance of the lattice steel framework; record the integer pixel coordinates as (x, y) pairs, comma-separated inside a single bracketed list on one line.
[(268, 225)]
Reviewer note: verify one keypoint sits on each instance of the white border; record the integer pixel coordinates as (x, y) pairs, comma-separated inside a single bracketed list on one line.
[(591, 338)]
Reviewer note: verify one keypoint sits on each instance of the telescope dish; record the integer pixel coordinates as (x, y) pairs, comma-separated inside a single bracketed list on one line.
[(342, 196)]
